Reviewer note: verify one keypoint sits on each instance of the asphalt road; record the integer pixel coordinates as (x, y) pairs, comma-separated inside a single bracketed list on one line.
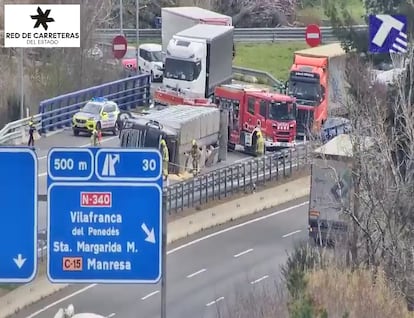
[(204, 272)]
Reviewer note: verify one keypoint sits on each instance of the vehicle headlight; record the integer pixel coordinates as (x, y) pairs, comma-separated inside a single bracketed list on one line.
[(157, 67)]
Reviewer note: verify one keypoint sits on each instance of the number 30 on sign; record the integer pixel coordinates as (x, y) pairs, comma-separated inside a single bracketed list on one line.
[(96, 199)]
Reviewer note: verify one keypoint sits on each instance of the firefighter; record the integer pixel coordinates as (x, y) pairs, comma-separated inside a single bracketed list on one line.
[(195, 155), (165, 159), (95, 140), (260, 144), (32, 129)]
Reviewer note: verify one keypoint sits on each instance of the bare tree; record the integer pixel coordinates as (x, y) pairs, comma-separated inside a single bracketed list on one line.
[(382, 209)]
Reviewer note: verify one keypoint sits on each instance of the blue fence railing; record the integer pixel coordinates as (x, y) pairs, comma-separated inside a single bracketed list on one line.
[(128, 93)]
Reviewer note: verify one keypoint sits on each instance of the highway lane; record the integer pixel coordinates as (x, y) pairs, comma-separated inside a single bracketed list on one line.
[(213, 267)]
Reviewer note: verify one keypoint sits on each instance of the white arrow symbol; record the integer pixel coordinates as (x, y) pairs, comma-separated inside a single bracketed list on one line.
[(19, 261), (150, 234)]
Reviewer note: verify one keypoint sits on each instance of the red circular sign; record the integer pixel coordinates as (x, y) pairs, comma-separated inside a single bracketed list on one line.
[(313, 35), (119, 46)]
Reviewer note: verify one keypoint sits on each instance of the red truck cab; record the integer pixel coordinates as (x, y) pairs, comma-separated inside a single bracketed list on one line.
[(254, 108), (314, 79)]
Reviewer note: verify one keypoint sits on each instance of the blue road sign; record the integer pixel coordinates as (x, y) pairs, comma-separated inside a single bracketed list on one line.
[(388, 33), (18, 234), (106, 229)]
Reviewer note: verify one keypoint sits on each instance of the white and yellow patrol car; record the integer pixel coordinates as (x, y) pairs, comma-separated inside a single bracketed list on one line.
[(98, 112)]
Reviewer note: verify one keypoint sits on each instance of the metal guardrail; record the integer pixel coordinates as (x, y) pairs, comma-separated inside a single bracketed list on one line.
[(240, 34), (269, 78), (128, 93), (16, 131), (56, 113), (243, 177)]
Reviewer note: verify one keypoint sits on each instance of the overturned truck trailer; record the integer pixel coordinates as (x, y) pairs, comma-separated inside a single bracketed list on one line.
[(178, 125)]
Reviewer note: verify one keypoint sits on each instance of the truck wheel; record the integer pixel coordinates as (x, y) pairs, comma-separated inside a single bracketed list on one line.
[(98, 125), (115, 129), (75, 132), (152, 76), (231, 147)]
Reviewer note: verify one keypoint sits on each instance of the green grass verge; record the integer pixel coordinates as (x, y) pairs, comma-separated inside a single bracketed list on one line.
[(274, 58), (316, 14)]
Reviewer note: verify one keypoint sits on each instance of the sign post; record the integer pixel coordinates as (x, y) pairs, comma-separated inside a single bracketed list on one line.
[(104, 215), (18, 250), (313, 35), (119, 46)]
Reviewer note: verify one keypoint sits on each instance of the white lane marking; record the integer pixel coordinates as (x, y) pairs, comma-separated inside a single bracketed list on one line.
[(231, 228), (243, 253), (214, 301), (259, 279), (196, 273), (43, 174), (80, 291), (111, 315), (291, 233), (150, 295)]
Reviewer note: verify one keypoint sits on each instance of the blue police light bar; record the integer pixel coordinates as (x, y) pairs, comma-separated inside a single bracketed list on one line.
[(99, 99)]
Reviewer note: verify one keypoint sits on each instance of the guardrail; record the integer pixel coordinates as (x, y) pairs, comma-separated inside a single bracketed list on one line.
[(240, 34), (242, 177), (128, 93), (16, 131), (267, 77)]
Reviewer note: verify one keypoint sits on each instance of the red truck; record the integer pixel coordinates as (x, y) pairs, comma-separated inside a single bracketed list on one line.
[(316, 81), (253, 108)]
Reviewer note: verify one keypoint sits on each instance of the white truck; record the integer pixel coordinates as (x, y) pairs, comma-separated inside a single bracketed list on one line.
[(331, 188), (176, 19), (198, 59)]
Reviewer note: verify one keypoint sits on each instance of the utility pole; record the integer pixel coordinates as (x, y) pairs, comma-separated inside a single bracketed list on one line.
[(121, 17), (137, 34), (21, 71), (164, 257)]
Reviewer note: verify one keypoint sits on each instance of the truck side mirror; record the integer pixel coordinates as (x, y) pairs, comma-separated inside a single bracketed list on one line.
[(295, 110)]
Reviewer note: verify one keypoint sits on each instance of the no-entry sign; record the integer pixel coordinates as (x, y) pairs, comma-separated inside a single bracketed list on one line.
[(119, 46), (313, 35)]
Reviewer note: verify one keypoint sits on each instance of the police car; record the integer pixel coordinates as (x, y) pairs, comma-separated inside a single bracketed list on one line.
[(98, 112)]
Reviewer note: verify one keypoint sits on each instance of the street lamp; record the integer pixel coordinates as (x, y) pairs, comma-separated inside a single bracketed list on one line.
[(137, 32)]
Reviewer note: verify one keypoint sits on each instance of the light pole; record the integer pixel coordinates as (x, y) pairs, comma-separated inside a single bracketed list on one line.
[(137, 34), (121, 17), (21, 71)]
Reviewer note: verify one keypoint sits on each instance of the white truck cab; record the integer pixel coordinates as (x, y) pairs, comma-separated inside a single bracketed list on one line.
[(151, 60)]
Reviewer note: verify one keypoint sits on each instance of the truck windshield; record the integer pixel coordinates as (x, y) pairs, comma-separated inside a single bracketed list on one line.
[(310, 91), (155, 56), (281, 111), (182, 69)]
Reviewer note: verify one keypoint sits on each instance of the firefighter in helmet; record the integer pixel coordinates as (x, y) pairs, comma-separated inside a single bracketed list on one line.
[(195, 155), (96, 137), (165, 158), (260, 144)]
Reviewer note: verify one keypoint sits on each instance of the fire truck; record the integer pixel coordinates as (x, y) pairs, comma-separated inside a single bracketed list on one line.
[(251, 109)]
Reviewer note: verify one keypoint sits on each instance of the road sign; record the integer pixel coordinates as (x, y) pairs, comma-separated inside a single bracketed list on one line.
[(119, 46), (18, 234), (313, 35), (105, 228)]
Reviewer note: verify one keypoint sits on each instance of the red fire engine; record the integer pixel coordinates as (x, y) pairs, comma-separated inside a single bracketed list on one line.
[(251, 109)]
